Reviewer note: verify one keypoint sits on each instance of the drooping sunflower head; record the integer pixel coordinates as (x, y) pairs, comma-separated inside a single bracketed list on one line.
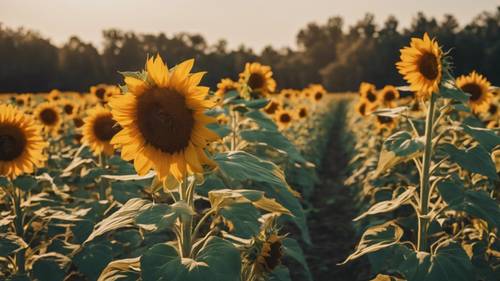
[(225, 86), (272, 106), (98, 130), (259, 78), (317, 92), (478, 87), (69, 108), (21, 144), (54, 96), (283, 117), (368, 92), (421, 65), (388, 96), (163, 120), (49, 115)]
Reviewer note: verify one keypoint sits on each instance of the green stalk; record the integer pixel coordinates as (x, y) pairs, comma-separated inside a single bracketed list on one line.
[(423, 219), (19, 228), (103, 182), (186, 221)]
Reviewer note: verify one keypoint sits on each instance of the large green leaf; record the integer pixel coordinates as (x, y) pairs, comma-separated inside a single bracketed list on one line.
[(274, 139), (10, 243), (398, 148), (486, 137), (243, 218), (50, 267), (162, 215), (93, 259), (293, 250), (223, 259), (449, 263), (262, 120), (475, 159), (454, 94), (476, 203)]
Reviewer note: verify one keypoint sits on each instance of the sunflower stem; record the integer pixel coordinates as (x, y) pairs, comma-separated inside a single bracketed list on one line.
[(19, 227), (187, 220), (103, 182), (423, 219)]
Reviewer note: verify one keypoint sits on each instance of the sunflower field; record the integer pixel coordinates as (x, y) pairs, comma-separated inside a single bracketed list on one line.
[(161, 178)]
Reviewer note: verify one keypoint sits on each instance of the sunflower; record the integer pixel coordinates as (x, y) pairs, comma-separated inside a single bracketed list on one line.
[(49, 115), (259, 78), (271, 253), (23, 100), (302, 112), (21, 144), (272, 106), (283, 118), (163, 120), (54, 95), (385, 123), (364, 108), (368, 92), (421, 65), (69, 108), (317, 92), (478, 87), (388, 96), (225, 86), (99, 91), (98, 130)]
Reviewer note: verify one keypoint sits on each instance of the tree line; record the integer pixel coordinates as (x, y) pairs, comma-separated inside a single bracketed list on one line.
[(330, 53)]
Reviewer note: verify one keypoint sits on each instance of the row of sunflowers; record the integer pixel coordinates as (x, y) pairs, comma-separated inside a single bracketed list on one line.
[(158, 179), (425, 171)]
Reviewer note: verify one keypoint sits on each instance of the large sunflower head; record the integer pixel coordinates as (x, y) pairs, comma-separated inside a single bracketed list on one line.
[(421, 65), (368, 92), (259, 78), (478, 87), (388, 96), (224, 86), (317, 92), (21, 144), (163, 120), (283, 117), (98, 130), (49, 115)]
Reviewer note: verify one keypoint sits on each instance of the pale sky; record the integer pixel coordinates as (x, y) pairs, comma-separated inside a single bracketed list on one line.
[(256, 23)]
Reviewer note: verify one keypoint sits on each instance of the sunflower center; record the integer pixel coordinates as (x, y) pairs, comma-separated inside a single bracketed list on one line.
[(384, 119), (302, 112), (20, 102), (428, 66), (285, 118), (256, 81), (493, 109), (68, 109), (99, 93), (164, 119), (12, 142), (271, 108), (389, 96), (474, 90), (105, 128), (48, 116), (318, 96), (371, 96), (362, 109)]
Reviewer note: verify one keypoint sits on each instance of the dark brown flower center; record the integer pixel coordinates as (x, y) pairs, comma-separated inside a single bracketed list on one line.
[(68, 109), (271, 108), (256, 81), (302, 113), (389, 96), (20, 102), (12, 142), (371, 96), (164, 119), (474, 90), (428, 66), (78, 122), (48, 116), (384, 119), (105, 128), (99, 93), (318, 96), (285, 118), (275, 255), (362, 109), (493, 109)]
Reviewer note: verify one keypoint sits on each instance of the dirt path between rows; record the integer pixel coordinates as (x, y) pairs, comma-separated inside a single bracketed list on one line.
[(332, 210)]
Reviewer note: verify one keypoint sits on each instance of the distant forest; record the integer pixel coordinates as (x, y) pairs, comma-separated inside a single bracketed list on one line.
[(330, 53)]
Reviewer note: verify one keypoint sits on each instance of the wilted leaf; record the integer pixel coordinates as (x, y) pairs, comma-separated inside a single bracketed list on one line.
[(389, 205), (125, 269)]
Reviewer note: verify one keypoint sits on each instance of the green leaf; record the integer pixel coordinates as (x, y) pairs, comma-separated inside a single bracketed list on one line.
[(450, 263), (222, 258), (159, 263), (162, 215), (24, 182), (403, 144), (274, 139), (243, 217), (221, 130), (454, 94), (476, 203), (293, 250), (262, 120), (10, 243), (253, 104), (123, 191), (487, 138), (141, 75), (93, 259), (389, 205), (280, 273), (50, 268), (376, 238), (475, 160)]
